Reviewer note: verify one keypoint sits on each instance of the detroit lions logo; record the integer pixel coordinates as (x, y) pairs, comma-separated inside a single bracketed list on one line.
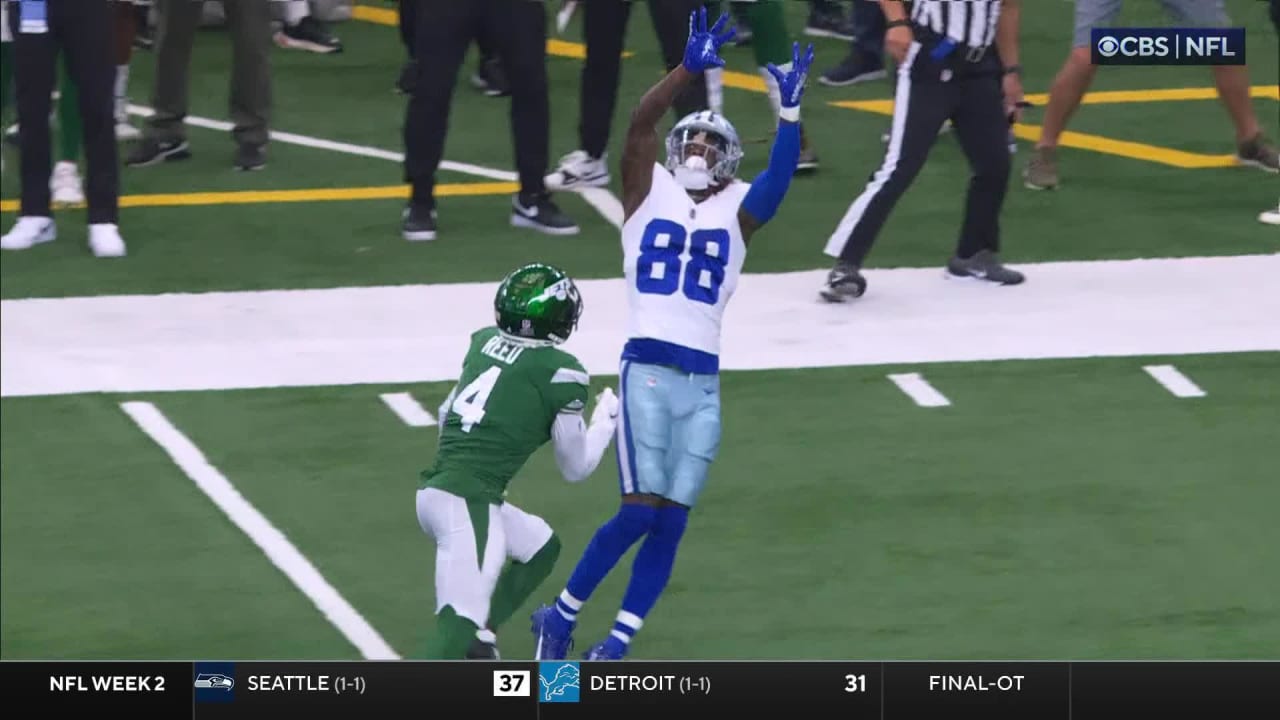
[(559, 681)]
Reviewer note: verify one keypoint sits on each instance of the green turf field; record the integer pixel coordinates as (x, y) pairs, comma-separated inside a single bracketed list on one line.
[(1059, 502)]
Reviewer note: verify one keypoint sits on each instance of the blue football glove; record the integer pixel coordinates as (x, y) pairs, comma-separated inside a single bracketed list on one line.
[(791, 83), (701, 53)]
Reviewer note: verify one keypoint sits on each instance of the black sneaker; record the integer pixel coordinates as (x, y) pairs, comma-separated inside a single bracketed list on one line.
[(539, 213), (418, 223), (310, 35), (984, 265), (490, 78), (149, 151), (251, 157), (844, 282), (857, 67), (408, 78), (830, 23)]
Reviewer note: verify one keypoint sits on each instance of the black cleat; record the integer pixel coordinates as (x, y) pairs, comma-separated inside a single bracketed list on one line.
[(985, 266), (418, 223), (844, 282), (481, 650), (539, 213)]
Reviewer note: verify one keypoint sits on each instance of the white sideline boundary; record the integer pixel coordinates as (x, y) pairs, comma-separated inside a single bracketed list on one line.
[(604, 201), (279, 550), (419, 333)]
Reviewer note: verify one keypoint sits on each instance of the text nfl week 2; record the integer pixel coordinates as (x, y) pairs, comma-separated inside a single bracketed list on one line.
[(106, 683)]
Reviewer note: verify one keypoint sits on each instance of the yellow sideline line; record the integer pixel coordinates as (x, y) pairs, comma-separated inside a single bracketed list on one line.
[(1084, 141), (386, 16), (249, 197), (1108, 97)]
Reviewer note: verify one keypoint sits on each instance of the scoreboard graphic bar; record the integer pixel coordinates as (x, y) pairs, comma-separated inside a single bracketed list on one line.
[(651, 690)]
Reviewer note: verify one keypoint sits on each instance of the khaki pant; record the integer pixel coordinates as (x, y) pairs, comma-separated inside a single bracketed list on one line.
[(249, 24)]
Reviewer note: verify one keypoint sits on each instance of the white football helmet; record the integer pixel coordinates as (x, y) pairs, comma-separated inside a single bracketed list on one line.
[(703, 150)]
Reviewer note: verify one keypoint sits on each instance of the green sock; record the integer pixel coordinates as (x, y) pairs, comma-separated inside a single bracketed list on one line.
[(769, 40), (6, 75), (519, 580), (771, 43), (69, 130), (452, 637)]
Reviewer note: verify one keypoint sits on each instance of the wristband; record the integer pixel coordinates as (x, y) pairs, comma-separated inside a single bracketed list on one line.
[(1013, 70), (898, 23)]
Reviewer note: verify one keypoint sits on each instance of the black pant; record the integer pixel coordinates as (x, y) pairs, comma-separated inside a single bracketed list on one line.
[(605, 24), (407, 20), (445, 29), (81, 30), (929, 93)]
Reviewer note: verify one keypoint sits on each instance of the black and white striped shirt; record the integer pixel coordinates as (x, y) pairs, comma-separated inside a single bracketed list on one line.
[(967, 22)]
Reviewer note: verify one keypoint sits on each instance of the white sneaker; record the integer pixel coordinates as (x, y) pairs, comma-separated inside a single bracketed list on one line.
[(28, 231), (1272, 216), (105, 240), (579, 170), (65, 184), (125, 131)]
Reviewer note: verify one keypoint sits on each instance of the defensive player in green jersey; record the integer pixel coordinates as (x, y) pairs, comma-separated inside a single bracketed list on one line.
[(518, 391)]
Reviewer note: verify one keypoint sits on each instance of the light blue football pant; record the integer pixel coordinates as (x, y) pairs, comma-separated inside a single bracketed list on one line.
[(668, 431)]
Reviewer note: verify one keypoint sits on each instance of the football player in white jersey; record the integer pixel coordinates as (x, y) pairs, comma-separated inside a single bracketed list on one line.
[(687, 226)]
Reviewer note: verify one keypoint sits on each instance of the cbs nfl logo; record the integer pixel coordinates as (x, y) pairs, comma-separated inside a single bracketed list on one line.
[(1168, 46)]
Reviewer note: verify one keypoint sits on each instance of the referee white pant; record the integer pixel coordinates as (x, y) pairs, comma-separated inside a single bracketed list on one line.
[(473, 541), (929, 92)]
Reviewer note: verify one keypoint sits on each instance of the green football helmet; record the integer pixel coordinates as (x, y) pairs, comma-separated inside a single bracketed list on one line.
[(538, 302)]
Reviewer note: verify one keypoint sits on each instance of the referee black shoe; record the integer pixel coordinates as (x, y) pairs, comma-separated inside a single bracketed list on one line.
[(537, 212), (418, 223), (984, 265), (844, 282)]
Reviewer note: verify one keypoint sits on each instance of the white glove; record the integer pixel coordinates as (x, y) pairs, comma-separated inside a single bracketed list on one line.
[(606, 407)]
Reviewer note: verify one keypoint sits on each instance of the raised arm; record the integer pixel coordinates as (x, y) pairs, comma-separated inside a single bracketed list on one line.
[(640, 151), (770, 187)]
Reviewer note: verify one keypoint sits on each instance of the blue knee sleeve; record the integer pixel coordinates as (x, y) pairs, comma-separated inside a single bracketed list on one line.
[(610, 543)]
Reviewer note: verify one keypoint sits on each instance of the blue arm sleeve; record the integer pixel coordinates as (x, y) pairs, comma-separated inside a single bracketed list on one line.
[(767, 190)]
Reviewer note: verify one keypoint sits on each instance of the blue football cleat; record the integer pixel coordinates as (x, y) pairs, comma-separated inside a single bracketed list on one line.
[(552, 634), (610, 649)]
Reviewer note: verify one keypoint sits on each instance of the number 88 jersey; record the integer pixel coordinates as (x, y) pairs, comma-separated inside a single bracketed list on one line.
[(681, 261)]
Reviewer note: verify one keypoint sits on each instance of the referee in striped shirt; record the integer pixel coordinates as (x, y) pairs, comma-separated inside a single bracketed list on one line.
[(956, 61)]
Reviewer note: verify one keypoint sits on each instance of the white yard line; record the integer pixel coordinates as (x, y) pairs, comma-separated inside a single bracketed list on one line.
[(362, 335), (408, 409), (1174, 381), (282, 553), (604, 201), (919, 390)]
